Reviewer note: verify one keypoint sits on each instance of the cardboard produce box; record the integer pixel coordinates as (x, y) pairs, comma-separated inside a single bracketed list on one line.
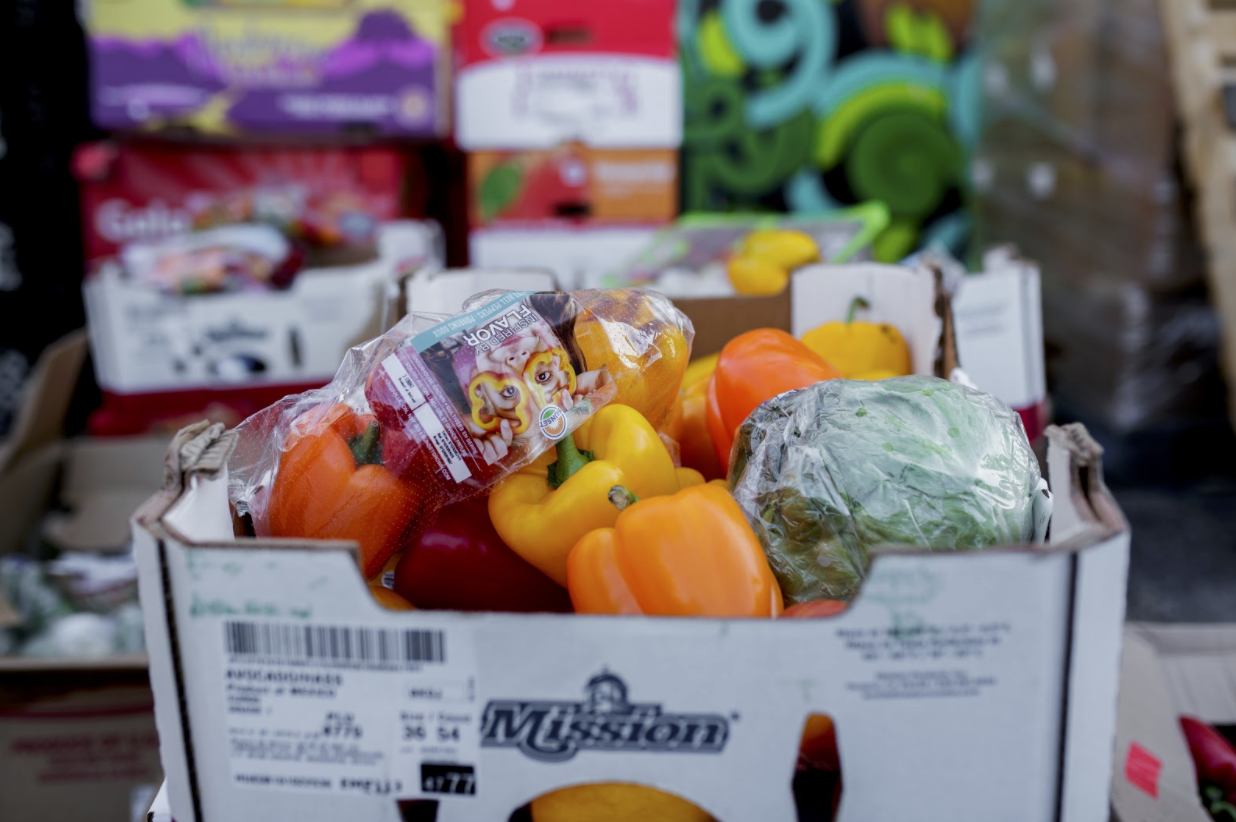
[(159, 355), (77, 733), (237, 69), (283, 689), (331, 199), (257, 722), (532, 74), (1168, 671)]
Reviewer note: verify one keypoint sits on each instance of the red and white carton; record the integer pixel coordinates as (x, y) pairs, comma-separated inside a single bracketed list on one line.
[(145, 191), (537, 73), (160, 357)]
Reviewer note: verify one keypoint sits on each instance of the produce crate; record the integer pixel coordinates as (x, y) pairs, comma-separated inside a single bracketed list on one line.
[(942, 659)]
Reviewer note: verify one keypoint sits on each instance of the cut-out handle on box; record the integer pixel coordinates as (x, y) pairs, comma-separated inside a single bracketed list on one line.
[(568, 34)]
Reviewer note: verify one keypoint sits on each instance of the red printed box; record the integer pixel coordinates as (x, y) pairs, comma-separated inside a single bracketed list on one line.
[(326, 197)]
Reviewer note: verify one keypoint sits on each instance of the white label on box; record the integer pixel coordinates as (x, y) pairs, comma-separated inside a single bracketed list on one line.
[(605, 100), (351, 709), (999, 329), (403, 382)]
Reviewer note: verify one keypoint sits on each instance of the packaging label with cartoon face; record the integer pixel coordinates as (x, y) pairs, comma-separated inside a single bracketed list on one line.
[(484, 393)]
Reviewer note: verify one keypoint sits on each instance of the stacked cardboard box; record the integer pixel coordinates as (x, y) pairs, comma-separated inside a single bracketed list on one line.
[(1077, 167), (572, 119)]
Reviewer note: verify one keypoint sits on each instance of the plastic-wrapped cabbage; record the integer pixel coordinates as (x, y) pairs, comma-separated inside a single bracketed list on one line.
[(826, 473)]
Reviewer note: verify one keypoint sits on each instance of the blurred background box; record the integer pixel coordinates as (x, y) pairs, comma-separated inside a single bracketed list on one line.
[(77, 730), (810, 107), (163, 359), (1078, 166), (235, 69), (329, 198)]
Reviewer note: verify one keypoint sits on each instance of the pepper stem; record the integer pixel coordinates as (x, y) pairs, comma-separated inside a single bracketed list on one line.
[(621, 498), (855, 304), (570, 460), (367, 447)]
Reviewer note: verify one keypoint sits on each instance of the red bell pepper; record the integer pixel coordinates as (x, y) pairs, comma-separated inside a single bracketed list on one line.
[(460, 563), (1215, 761)]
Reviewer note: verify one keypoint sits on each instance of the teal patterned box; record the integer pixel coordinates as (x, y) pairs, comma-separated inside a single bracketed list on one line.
[(814, 105)]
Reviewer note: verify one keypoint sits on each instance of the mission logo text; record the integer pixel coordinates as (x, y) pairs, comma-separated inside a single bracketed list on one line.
[(606, 720)]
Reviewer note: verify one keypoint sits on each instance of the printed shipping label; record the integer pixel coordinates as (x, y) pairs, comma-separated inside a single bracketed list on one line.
[(484, 393), (410, 727)]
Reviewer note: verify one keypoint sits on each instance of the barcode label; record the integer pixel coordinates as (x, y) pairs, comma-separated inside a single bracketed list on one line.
[(332, 645), (403, 382)]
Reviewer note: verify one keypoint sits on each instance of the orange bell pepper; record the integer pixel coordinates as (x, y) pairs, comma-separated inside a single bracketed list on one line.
[(695, 448), (331, 484), (689, 554), (755, 367)]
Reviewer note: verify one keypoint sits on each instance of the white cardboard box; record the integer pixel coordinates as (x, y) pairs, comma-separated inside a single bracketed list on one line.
[(578, 257), (981, 685), (144, 340), (444, 292), (943, 661), (999, 320), (1167, 671)]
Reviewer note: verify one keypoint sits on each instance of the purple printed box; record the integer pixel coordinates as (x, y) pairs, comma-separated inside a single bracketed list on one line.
[(300, 67)]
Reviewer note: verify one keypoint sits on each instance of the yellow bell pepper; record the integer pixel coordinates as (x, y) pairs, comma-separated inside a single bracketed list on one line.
[(754, 277), (765, 258), (781, 247), (699, 369), (878, 374), (644, 342), (858, 349), (542, 510), (615, 802)]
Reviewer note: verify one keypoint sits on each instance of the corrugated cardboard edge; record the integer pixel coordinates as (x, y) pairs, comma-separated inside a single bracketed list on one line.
[(40, 420), (1084, 504), (199, 449), (48, 392)]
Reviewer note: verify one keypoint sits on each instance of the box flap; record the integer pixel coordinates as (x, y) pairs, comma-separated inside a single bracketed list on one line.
[(444, 292), (1082, 503), (911, 300), (27, 487), (48, 392), (160, 809)]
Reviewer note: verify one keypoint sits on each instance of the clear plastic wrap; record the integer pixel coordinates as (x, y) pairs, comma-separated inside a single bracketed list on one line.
[(1077, 165), (440, 409), (828, 472), (230, 258)]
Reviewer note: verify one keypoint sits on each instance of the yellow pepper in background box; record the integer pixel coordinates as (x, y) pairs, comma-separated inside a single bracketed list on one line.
[(782, 247), (859, 349), (644, 342), (753, 277), (699, 370), (542, 510), (762, 264)]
